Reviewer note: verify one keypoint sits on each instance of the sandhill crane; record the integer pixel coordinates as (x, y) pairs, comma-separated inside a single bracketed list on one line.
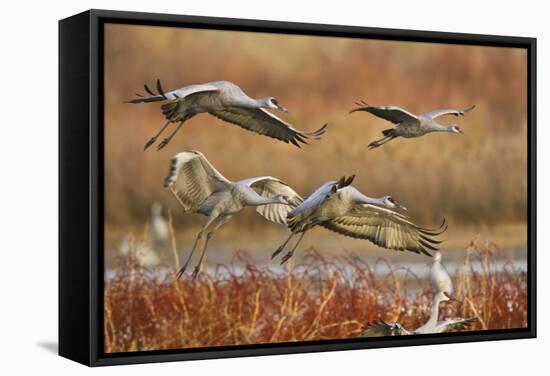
[(440, 278), (433, 325), (158, 226), (339, 207), (228, 102), (409, 125), (201, 189)]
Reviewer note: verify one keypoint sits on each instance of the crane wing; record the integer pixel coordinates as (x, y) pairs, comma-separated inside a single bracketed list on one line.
[(265, 123), (456, 323), (184, 108), (315, 200), (386, 228), (383, 329), (192, 179), (392, 114), (447, 111), (178, 94), (268, 186), (183, 92)]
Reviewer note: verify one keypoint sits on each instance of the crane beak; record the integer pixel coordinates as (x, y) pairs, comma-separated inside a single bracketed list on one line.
[(401, 206), (281, 108)]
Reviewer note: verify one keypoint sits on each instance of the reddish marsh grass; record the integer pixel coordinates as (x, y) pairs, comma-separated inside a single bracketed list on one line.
[(319, 299)]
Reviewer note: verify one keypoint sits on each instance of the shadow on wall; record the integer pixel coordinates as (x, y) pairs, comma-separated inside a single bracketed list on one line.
[(51, 347)]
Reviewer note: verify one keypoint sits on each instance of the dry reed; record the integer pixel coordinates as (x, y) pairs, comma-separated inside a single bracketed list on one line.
[(320, 298)]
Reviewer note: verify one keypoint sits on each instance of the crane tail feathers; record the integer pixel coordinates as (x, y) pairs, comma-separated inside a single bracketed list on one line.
[(142, 99), (149, 91), (160, 90), (152, 97), (361, 106)]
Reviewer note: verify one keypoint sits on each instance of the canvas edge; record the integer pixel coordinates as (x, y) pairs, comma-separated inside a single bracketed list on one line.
[(74, 217)]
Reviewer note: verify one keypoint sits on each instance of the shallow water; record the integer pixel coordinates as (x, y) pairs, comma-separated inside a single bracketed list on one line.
[(513, 262)]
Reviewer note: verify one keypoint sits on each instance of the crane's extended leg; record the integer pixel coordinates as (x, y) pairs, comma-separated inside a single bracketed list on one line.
[(380, 142), (291, 252), (182, 269), (154, 138), (169, 138), (280, 249), (220, 221), (199, 237)]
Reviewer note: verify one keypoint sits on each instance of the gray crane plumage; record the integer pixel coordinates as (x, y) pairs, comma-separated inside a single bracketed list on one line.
[(341, 208), (433, 325), (226, 101), (409, 125), (201, 189)]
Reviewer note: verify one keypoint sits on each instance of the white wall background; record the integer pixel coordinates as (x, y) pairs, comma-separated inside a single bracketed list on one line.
[(28, 206)]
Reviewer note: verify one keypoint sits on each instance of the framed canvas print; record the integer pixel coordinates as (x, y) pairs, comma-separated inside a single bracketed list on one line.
[(239, 187)]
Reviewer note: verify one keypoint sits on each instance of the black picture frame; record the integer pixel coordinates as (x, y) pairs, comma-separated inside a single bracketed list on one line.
[(81, 185)]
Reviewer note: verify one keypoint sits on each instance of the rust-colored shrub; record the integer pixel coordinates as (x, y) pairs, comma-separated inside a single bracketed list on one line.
[(321, 298)]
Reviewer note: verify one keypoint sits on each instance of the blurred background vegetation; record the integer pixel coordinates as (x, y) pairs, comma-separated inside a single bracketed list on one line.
[(476, 181)]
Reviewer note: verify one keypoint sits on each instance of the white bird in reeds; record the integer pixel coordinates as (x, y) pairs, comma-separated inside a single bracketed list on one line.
[(125, 245), (227, 101), (341, 208), (141, 252), (201, 189), (439, 276), (158, 226), (409, 125), (433, 325)]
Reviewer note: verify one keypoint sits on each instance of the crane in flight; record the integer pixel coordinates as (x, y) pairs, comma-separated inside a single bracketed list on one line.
[(201, 189), (227, 101), (340, 207), (409, 125)]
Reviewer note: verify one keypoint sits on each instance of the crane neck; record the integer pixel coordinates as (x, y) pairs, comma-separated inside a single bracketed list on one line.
[(257, 200), (435, 312), (371, 200), (360, 198), (376, 201)]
